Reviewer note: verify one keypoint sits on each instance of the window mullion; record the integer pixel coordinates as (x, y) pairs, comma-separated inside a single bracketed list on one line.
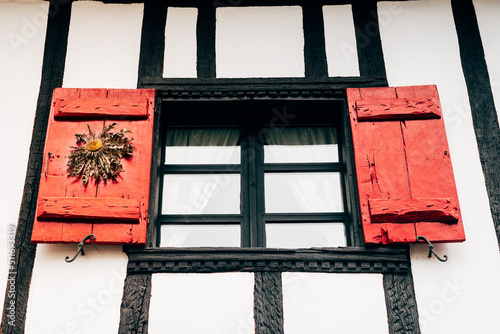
[(246, 209)]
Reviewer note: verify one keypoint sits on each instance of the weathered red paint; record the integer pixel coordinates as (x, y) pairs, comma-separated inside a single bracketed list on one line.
[(397, 109), (405, 159), (134, 107), (132, 184), (75, 208), (413, 210)]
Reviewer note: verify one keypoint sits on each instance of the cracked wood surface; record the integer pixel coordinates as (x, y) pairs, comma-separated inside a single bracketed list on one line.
[(403, 160), (132, 184)]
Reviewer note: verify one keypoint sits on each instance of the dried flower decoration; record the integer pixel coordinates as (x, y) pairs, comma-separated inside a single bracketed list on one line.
[(99, 157)]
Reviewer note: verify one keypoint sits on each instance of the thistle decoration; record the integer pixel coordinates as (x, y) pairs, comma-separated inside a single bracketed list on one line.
[(99, 156)]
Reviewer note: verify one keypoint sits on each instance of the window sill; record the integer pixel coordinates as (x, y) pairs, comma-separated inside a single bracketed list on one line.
[(211, 260)]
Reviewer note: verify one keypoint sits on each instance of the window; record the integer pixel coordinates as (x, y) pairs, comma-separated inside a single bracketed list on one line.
[(253, 174)]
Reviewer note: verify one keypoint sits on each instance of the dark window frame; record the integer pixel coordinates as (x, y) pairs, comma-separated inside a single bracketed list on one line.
[(251, 117)]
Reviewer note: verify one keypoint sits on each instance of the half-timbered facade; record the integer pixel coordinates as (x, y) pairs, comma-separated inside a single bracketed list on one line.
[(249, 166)]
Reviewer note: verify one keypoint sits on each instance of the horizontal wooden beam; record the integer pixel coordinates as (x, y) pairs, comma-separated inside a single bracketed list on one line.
[(98, 108), (95, 209), (339, 260), (397, 109), (413, 211)]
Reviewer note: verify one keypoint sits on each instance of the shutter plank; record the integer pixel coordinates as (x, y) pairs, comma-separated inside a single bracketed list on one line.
[(430, 168), (122, 108), (397, 109), (71, 208), (379, 159), (413, 210), (134, 182)]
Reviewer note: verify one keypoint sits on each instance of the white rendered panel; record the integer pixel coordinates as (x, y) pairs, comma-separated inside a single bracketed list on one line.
[(22, 28), (81, 297), (340, 40), (488, 13), (466, 287), (180, 43), (259, 42), (323, 303), (103, 45), (202, 303)]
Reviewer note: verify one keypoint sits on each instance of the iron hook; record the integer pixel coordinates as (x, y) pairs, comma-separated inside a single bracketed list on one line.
[(431, 249), (89, 237)]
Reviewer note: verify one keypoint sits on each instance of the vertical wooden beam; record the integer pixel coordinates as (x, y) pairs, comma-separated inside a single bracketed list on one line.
[(369, 45), (401, 304), (268, 303), (54, 57), (205, 37), (314, 41), (152, 40), (484, 114), (134, 313)]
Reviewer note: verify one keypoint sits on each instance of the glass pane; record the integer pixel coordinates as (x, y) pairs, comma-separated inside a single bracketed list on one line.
[(301, 144), (198, 155), (202, 146), (305, 235), (303, 192), (300, 153), (200, 236), (201, 194)]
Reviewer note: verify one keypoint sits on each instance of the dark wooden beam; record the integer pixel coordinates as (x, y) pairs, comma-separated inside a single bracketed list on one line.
[(401, 304), (369, 45), (205, 38), (314, 41), (268, 303), (134, 312), (152, 40), (484, 113), (52, 75)]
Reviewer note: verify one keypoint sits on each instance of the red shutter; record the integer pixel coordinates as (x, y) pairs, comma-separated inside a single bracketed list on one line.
[(403, 167), (114, 211)]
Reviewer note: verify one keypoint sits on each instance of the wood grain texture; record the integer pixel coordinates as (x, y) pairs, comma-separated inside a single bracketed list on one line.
[(413, 210), (334, 260), (136, 107), (399, 160), (379, 158), (134, 311), (268, 303), (402, 312), (484, 113), (397, 109), (131, 184), (52, 75), (67, 209)]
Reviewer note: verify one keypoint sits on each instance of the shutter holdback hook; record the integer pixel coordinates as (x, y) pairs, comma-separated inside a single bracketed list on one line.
[(89, 237), (431, 249)]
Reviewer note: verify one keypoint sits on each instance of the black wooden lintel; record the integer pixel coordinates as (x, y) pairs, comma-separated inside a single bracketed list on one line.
[(208, 260), (257, 88)]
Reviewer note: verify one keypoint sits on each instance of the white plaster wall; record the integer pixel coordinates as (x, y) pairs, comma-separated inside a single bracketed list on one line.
[(340, 39), (259, 42), (460, 296), (180, 43), (488, 19), (103, 45), (22, 38), (85, 295), (333, 303), (80, 297), (219, 303)]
